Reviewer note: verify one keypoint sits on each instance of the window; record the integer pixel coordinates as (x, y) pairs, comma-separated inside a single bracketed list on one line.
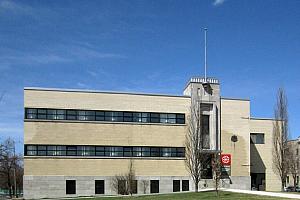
[(61, 150), (51, 150), (99, 186), (179, 152), (70, 187), (168, 118), (176, 185), (111, 116), (134, 186), (100, 151), (154, 152), (128, 116), (145, 151), (31, 150), (205, 131), (180, 118), (42, 114), (103, 151), (257, 138), (137, 151), (155, 118), (71, 150), (185, 185), (127, 151), (297, 152), (154, 186), (31, 113), (51, 114), (85, 150), (86, 115), (122, 187), (100, 116), (71, 114), (42, 150), (114, 116), (166, 152)]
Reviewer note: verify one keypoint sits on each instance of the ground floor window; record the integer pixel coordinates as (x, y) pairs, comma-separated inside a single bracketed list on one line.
[(185, 185), (122, 187), (99, 186), (154, 186), (70, 187), (176, 185)]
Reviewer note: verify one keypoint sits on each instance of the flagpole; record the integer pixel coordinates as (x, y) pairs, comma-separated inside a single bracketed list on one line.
[(205, 54)]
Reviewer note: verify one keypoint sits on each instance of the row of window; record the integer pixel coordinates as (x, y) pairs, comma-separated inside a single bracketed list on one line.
[(154, 186), (111, 116), (103, 151)]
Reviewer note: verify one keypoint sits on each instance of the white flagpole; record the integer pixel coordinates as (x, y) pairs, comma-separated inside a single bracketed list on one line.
[(205, 56)]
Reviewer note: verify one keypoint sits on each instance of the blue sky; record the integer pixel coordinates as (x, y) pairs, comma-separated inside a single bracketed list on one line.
[(149, 46)]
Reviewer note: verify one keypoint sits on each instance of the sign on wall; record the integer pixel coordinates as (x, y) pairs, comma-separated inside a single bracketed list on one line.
[(226, 159), (226, 165)]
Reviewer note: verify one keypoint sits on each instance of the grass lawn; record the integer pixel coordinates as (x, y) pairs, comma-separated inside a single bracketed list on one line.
[(191, 196)]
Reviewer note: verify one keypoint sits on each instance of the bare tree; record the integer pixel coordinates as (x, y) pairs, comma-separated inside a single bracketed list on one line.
[(216, 166), (131, 180), (293, 162), (9, 164), (194, 142), (125, 183), (145, 184), (280, 137)]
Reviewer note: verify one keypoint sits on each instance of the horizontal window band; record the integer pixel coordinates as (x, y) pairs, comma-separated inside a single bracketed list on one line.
[(106, 116), (103, 158), (103, 151), (101, 122)]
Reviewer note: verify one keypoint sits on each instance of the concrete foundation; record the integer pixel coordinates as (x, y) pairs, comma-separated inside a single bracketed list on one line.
[(36, 187)]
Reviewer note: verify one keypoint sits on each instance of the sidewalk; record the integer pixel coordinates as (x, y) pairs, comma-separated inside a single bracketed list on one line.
[(271, 194)]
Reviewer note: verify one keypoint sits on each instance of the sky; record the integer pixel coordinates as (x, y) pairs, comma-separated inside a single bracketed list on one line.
[(149, 47)]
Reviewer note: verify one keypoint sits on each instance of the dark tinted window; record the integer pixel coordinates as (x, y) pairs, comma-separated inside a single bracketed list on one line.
[(112, 116), (185, 185), (176, 185), (70, 187), (99, 186), (90, 150), (257, 138), (154, 186)]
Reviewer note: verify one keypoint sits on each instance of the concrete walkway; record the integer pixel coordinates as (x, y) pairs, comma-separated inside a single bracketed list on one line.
[(271, 194)]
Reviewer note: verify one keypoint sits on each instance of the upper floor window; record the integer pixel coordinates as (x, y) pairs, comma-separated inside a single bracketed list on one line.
[(257, 138), (111, 116), (103, 151)]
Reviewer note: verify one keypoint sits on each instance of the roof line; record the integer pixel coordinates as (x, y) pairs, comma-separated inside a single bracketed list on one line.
[(237, 99), (259, 118), (100, 91)]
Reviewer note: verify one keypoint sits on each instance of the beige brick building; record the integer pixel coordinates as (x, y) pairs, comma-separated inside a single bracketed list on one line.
[(76, 141)]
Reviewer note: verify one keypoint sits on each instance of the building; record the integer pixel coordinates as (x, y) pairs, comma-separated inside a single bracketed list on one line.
[(77, 141), (294, 146)]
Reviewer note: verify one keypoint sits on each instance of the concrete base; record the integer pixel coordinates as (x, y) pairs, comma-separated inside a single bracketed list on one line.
[(36, 187)]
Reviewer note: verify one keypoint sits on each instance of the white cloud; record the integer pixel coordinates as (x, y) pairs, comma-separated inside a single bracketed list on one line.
[(218, 2), (16, 8)]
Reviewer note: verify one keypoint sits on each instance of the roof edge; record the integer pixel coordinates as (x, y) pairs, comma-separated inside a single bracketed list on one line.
[(100, 91), (262, 118), (235, 99)]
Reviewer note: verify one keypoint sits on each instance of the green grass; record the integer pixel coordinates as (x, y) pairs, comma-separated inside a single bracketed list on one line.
[(191, 196)]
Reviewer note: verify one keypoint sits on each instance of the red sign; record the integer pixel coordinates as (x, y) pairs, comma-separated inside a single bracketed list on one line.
[(226, 159)]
